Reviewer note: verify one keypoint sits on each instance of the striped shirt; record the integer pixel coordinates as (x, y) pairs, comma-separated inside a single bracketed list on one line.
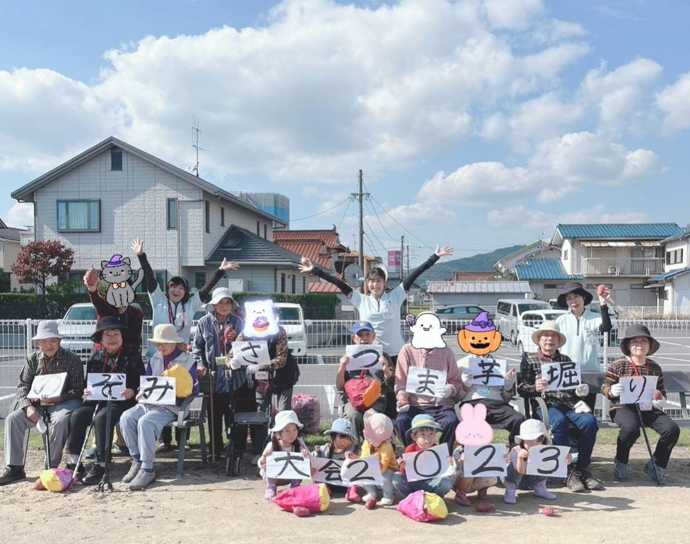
[(623, 368), (63, 361), (530, 372)]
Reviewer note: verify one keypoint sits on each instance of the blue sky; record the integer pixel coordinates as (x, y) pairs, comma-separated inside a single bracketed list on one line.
[(478, 124)]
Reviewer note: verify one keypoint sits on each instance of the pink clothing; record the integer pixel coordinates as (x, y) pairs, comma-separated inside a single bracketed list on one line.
[(439, 359)]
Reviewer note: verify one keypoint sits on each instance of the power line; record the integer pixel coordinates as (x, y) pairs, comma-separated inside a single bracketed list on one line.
[(377, 214), (321, 213), (375, 237), (401, 226)]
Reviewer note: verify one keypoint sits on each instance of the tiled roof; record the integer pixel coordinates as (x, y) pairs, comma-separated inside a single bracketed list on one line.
[(621, 230), (11, 234), (328, 237), (472, 276), (355, 254), (543, 269), (681, 236), (243, 246), (315, 250), (670, 274), (322, 287), (502, 287)]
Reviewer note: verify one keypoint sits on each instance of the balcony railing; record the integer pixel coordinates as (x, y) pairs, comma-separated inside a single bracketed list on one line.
[(595, 266)]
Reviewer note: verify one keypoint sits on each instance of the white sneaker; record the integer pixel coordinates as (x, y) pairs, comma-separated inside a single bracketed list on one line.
[(386, 502), (366, 497)]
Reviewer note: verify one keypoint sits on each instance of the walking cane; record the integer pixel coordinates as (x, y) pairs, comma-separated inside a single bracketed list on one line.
[(83, 447), (45, 416), (210, 414), (105, 483), (649, 448)]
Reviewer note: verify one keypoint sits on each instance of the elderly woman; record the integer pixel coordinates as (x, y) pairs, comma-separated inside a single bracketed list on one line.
[(113, 358), (581, 326), (564, 406), (636, 346)]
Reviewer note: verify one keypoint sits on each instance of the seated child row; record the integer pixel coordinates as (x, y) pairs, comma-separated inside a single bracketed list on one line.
[(375, 476)]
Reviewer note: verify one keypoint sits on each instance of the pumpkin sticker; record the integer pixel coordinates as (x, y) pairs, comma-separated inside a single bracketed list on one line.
[(480, 337)]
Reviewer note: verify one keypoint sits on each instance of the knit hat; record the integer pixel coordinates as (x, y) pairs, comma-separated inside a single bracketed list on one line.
[(377, 428)]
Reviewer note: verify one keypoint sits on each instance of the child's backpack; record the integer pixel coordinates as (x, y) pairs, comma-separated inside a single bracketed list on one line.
[(423, 506), (314, 497), (362, 392)]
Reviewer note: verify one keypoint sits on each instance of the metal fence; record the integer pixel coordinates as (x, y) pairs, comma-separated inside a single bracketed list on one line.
[(326, 341)]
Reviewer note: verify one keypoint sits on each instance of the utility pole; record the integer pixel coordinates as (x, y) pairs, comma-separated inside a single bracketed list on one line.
[(402, 252), (408, 259), (195, 143), (360, 196)]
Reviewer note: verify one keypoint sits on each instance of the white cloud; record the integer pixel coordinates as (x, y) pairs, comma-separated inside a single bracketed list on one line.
[(514, 216), (513, 14), (674, 101), (552, 194), (555, 30), (417, 215), (20, 215)]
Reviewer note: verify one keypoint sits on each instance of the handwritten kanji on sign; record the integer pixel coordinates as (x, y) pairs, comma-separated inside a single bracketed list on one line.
[(426, 382), (327, 470), (251, 352), (638, 389), (548, 461), (561, 376), (363, 357), (426, 464), (487, 372), (104, 386), (288, 465), (47, 385), (157, 390), (361, 471)]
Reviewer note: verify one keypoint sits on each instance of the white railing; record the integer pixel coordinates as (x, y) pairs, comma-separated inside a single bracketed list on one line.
[(623, 267)]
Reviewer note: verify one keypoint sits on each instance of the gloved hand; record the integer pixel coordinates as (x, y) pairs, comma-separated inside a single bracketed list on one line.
[(235, 364), (448, 391), (510, 378), (252, 369), (616, 390), (658, 404), (403, 408), (582, 408), (582, 390)]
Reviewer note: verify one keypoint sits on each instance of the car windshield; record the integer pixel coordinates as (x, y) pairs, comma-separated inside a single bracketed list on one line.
[(288, 314), (522, 308), (83, 313)]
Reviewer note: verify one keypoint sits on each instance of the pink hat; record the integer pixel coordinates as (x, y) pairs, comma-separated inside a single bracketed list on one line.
[(377, 427)]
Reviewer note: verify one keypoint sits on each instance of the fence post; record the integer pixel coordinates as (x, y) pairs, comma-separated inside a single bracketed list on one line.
[(28, 328)]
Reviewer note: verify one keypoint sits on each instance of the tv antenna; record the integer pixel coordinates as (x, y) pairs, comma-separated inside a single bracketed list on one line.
[(195, 143)]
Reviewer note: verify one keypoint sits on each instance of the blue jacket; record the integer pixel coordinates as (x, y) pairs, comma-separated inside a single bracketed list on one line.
[(207, 346)]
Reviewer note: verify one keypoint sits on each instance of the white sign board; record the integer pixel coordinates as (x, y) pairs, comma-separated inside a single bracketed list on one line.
[(361, 471), (363, 357), (251, 352), (561, 376), (157, 390), (485, 461), (426, 382), (549, 461), (426, 464), (487, 372), (288, 465), (638, 389), (327, 470), (47, 385), (104, 386)]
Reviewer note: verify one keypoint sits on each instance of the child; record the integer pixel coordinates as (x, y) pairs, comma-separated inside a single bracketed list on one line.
[(343, 441), (143, 423), (532, 433), (378, 429), (422, 433), (284, 437), (463, 485)]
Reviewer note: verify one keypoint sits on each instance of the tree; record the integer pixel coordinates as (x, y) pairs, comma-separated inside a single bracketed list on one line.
[(38, 261)]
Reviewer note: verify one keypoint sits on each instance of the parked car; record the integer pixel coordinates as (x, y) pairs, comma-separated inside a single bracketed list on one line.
[(291, 318), (77, 326), (529, 322), (453, 317), (508, 312)]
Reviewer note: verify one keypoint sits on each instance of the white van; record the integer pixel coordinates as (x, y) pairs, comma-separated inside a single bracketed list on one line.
[(508, 313), (291, 318), (529, 322)]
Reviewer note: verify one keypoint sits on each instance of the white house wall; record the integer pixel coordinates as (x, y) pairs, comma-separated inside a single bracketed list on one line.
[(567, 249), (683, 244), (678, 295)]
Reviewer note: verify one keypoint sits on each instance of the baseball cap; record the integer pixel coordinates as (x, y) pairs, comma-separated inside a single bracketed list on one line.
[(362, 326)]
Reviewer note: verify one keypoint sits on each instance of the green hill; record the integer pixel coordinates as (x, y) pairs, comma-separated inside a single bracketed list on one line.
[(482, 262)]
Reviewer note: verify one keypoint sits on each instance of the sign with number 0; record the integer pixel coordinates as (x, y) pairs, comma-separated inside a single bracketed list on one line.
[(549, 461), (426, 464), (361, 471), (363, 357), (485, 461)]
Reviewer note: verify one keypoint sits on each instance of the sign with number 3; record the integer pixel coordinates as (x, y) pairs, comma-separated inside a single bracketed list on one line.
[(549, 461)]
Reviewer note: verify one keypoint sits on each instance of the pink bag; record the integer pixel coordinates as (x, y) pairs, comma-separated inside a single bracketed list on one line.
[(423, 506), (308, 411), (56, 479), (314, 497)]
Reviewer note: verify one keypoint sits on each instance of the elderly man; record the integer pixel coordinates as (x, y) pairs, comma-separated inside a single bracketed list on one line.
[(565, 406), (49, 359)]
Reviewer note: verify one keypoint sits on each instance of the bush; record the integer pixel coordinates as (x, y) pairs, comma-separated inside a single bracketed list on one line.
[(52, 306)]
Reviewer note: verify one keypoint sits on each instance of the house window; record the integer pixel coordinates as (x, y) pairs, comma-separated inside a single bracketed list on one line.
[(258, 228), (293, 284), (77, 275), (265, 231), (172, 213), (282, 283), (675, 256), (116, 158), (565, 255), (199, 279), (79, 215), (222, 217), (208, 216)]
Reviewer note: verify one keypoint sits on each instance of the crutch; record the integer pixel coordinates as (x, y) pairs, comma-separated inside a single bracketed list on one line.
[(649, 448), (83, 447), (105, 483)]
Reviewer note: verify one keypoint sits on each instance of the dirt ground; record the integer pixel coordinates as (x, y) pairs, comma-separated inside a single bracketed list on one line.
[(205, 506)]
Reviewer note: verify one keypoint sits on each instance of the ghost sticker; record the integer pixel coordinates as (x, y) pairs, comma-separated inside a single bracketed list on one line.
[(116, 272), (480, 337), (427, 332), (260, 321)]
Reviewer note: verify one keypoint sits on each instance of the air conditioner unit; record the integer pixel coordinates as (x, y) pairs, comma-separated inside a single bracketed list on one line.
[(613, 270), (238, 285)]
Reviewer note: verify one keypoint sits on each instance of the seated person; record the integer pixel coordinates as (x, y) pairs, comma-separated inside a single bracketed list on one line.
[(563, 406), (50, 358), (441, 410), (363, 334)]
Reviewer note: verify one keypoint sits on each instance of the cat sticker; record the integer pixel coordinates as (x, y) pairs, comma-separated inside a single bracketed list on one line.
[(116, 272), (260, 320)]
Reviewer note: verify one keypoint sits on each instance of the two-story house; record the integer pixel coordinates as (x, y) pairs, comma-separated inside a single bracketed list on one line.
[(98, 201), (9, 249), (673, 285), (621, 256)]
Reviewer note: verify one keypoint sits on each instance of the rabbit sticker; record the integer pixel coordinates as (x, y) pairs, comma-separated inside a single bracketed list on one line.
[(473, 430)]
